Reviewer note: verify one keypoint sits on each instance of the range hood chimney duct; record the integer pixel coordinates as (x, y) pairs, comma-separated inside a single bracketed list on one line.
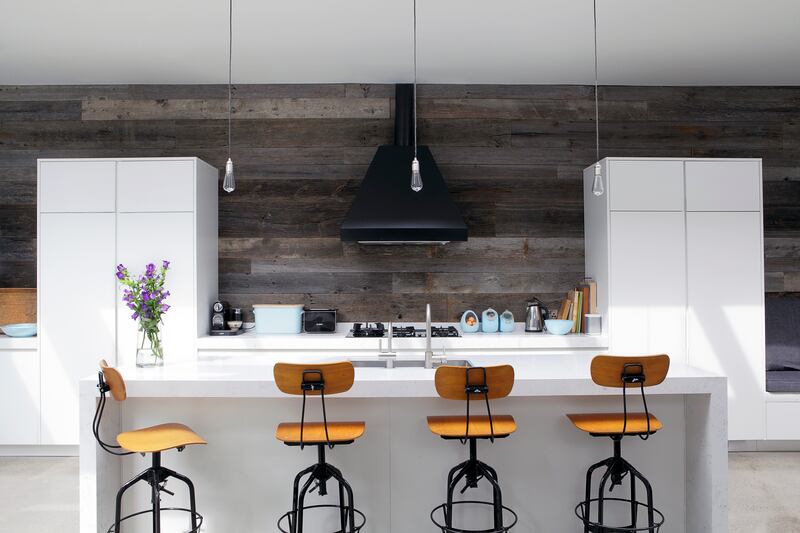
[(404, 114)]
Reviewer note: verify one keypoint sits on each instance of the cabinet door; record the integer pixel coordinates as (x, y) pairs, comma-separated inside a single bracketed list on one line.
[(19, 397), (723, 186), (648, 284), (150, 238), (75, 186), (151, 186), (76, 284), (726, 312), (646, 185)]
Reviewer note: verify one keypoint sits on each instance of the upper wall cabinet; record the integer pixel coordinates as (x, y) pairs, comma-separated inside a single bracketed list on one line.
[(723, 185), (645, 185), (76, 186), (153, 186)]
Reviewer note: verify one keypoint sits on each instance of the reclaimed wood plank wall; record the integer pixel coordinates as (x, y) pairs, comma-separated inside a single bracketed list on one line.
[(512, 157)]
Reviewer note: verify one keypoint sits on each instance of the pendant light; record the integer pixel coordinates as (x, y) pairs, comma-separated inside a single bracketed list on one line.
[(229, 183), (597, 184), (416, 176)]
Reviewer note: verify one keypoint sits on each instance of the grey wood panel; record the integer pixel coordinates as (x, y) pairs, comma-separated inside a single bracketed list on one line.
[(512, 156), (252, 108)]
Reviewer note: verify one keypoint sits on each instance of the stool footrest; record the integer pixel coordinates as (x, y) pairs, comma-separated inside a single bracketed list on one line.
[(285, 521), (197, 516), (452, 529), (583, 512)]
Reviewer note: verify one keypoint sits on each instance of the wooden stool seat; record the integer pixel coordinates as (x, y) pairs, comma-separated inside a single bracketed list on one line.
[(314, 432), (479, 427), (159, 438), (613, 423)]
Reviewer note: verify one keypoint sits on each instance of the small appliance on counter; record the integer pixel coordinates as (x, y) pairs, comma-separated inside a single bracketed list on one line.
[(469, 322), (535, 315), (506, 321), (489, 321), (319, 321), (278, 318), (225, 320)]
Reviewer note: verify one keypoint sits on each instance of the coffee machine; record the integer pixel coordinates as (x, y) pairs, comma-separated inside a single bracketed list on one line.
[(221, 315)]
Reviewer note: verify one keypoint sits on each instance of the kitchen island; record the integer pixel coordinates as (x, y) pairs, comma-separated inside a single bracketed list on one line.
[(398, 469)]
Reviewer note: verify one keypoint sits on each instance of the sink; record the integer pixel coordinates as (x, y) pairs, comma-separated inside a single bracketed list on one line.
[(389, 362)]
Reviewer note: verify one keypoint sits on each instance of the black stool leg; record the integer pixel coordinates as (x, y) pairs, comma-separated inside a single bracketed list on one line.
[(448, 519), (634, 505), (601, 493), (589, 474), (192, 503), (156, 504), (118, 514), (649, 491), (342, 509), (497, 499), (300, 503), (295, 494)]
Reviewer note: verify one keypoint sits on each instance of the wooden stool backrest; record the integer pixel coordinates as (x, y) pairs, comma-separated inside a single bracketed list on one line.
[(608, 370), (338, 377), (114, 381), (451, 381)]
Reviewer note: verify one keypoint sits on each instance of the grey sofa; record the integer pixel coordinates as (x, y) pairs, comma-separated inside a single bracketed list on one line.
[(783, 343)]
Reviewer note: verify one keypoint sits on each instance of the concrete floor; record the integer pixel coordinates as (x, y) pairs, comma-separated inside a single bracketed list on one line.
[(41, 494)]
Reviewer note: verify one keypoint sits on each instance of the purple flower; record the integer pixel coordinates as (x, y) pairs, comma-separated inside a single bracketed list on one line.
[(165, 264), (164, 308), (150, 269), (135, 315), (145, 296), (131, 306), (120, 275)]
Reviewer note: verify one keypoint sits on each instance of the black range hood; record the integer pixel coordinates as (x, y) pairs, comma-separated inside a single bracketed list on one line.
[(386, 210)]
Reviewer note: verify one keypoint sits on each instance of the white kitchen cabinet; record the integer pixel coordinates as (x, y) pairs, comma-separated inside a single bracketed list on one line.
[(155, 185), (680, 269), (726, 311), (648, 274), (96, 214), (76, 312), (723, 185), (76, 186), (19, 397), (150, 238), (645, 185)]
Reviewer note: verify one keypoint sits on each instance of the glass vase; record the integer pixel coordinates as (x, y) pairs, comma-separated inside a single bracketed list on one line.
[(149, 349)]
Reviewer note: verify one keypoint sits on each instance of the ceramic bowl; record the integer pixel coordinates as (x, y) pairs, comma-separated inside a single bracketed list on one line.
[(19, 330), (234, 324), (558, 327)]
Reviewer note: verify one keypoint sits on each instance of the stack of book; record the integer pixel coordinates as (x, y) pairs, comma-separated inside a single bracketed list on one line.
[(578, 303)]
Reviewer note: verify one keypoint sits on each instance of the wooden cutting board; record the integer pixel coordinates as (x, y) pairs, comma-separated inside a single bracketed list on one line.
[(17, 306)]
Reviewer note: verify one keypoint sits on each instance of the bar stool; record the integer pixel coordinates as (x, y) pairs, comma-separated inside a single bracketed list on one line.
[(318, 380), (621, 372), (152, 440), (473, 383)]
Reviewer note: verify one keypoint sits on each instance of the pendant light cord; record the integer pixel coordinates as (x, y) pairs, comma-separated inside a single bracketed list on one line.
[(596, 103), (415, 79), (230, 61)]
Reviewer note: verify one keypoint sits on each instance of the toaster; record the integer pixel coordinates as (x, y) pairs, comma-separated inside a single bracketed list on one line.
[(319, 320)]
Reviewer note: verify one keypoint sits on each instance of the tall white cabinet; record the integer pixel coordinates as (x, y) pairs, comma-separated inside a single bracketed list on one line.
[(676, 246), (93, 215)]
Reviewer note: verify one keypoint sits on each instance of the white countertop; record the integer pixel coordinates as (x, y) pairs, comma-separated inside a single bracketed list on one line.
[(517, 340), (251, 377), (18, 343)]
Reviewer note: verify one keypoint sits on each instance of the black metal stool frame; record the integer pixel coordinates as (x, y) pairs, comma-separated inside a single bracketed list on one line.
[(617, 468), (321, 472), (473, 470), (156, 476)]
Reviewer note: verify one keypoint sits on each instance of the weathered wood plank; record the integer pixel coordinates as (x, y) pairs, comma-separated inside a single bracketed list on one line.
[(17, 186), (44, 110), (483, 282), (119, 135), (248, 108), (365, 283)]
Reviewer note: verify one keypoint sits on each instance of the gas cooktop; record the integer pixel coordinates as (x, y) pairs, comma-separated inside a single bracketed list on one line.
[(377, 329)]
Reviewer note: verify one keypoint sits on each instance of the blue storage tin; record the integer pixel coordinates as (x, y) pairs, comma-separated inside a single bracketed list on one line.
[(465, 327), (278, 318), (490, 322), (506, 321)]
